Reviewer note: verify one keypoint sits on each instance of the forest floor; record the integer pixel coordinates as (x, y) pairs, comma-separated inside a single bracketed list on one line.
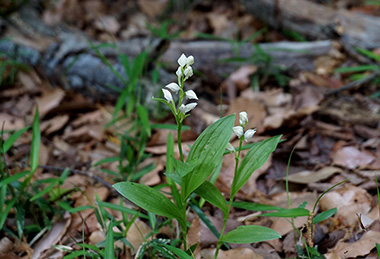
[(334, 136)]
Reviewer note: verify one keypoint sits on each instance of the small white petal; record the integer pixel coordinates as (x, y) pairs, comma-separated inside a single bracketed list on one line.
[(230, 147), (249, 133), (179, 72), (182, 61), (243, 119), (188, 107), (190, 60), (191, 95), (238, 130), (173, 87), (188, 72), (167, 95)]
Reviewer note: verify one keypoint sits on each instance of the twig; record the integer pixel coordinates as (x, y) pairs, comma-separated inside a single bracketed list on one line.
[(353, 84)]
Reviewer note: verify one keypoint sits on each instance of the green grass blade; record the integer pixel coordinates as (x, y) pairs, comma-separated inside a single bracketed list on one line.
[(324, 215), (9, 142), (254, 206), (13, 178), (36, 142), (110, 250), (180, 253), (288, 213)]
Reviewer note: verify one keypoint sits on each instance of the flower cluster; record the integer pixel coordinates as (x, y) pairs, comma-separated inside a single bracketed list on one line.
[(239, 131), (183, 72)]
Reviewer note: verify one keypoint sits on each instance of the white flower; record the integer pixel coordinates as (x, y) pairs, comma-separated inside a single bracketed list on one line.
[(191, 95), (238, 130), (243, 119), (188, 107), (230, 147), (182, 61), (190, 60), (167, 95), (173, 87), (179, 72), (188, 72), (249, 133)]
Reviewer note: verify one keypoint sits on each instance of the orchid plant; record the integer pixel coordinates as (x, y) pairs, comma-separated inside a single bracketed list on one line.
[(191, 175)]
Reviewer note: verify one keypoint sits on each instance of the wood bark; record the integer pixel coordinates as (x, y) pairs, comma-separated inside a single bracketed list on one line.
[(65, 57), (316, 21)]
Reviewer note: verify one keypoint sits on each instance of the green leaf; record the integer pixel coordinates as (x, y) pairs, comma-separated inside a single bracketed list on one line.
[(149, 199), (180, 253), (295, 212), (250, 234), (122, 209), (110, 250), (13, 178), (254, 206), (210, 193), (369, 54), (362, 68), (144, 119), (9, 142), (253, 160), (324, 215), (208, 151), (36, 141), (45, 190), (378, 249)]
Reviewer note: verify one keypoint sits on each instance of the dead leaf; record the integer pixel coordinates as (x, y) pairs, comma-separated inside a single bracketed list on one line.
[(241, 253), (255, 109), (54, 235), (306, 177), (349, 200), (282, 225), (11, 122), (54, 124), (49, 100), (136, 234), (194, 235), (352, 158), (358, 248), (152, 8)]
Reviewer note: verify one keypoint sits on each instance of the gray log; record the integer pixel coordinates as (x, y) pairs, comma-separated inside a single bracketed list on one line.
[(317, 21)]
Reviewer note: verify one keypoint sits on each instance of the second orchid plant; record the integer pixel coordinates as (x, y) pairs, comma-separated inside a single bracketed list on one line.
[(204, 157)]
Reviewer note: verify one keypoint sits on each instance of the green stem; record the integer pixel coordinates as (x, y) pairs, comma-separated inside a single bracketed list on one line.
[(237, 156), (179, 129)]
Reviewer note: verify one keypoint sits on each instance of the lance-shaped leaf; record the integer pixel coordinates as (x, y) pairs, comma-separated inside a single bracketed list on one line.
[(149, 199), (250, 234), (208, 151), (257, 155), (295, 212), (210, 193)]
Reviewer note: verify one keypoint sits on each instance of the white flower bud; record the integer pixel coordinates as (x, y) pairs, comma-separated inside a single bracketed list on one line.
[(188, 72), (182, 61), (230, 147), (243, 119), (191, 95), (179, 72), (249, 133), (173, 87), (167, 95), (190, 60), (188, 107), (238, 130)]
